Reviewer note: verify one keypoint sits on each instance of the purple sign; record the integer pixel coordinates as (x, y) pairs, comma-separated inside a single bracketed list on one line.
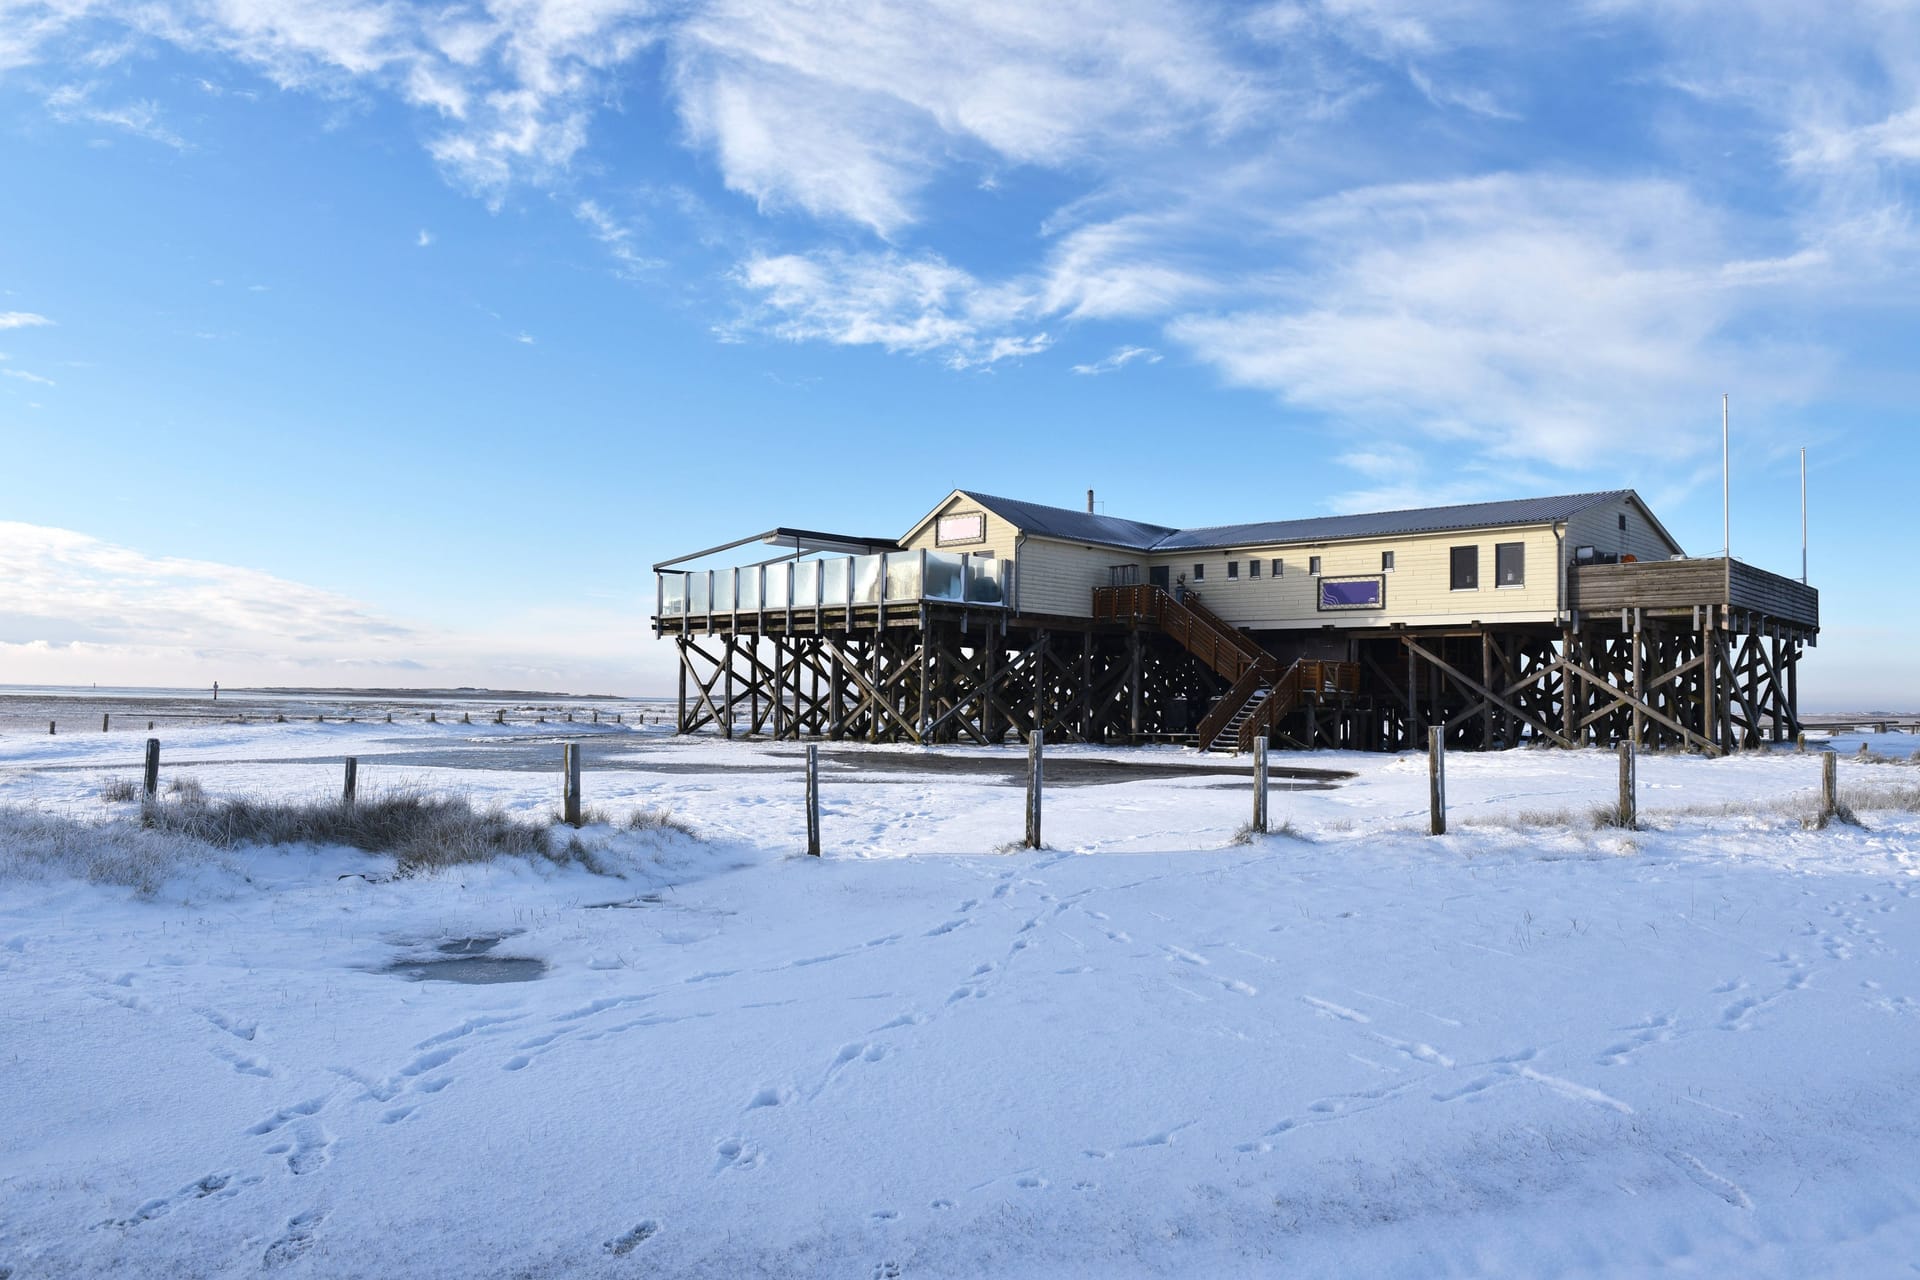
[(1352, 593)]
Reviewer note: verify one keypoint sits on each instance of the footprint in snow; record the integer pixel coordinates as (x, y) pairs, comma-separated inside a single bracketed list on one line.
[(622, 1245)]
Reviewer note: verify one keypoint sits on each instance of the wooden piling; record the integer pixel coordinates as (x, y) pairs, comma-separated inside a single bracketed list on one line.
[(1260, 786), (52, 730), (813, 800), (1629, 788), (103, 722), (570, 799), (1036, 747), (349, 783), (1436, 781), (150, 780)]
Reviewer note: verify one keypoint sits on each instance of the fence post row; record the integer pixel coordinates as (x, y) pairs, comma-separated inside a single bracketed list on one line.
[(813, 801), (1436, 781), (1260, 786), (1629, 787), (1036, 746), (570, 801)]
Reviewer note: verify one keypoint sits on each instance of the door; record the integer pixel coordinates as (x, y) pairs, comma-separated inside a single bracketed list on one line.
[(1161, 576)]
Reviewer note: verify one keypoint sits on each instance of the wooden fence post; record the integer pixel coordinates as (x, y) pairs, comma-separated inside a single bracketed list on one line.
[(813, 801), (1800, 744), (151, 782), (1260, 786), (1829, 786), (348, 784), (103, 722), (51, 730), (1036, 747), (1437, 781), (570, 805), (1629, 789)]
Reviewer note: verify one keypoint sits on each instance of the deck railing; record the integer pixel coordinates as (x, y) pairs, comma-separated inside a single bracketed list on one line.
[(844, 582)]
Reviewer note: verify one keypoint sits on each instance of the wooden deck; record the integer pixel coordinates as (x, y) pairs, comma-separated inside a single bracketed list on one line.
[(1669, 587)]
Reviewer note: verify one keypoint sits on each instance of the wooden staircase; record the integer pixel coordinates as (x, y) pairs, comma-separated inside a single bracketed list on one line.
[(1260, 696)]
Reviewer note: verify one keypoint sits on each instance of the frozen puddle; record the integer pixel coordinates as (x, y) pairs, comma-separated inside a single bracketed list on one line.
[(466, 960)]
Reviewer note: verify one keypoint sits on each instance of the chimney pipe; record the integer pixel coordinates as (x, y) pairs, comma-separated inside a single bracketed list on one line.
[(1089, 502)]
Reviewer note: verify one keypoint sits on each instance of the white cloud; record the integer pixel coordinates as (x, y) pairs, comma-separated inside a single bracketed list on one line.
[(916, 305), (523, 338), (616, 238), (24, 376), (21, 320), (75, 103), (77, 609), (1544, 319), (1119, 359), (423, 238)]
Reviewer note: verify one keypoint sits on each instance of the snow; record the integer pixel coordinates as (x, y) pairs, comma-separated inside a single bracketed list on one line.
[(1517, 1049)]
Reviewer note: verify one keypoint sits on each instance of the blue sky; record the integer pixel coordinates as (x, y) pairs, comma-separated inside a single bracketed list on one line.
[(358, 342)]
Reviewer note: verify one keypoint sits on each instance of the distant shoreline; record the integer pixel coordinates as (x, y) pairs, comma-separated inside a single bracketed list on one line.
[(304, 691)]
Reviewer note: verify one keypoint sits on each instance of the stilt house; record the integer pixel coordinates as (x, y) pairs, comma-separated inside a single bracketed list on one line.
[(1570, 619)]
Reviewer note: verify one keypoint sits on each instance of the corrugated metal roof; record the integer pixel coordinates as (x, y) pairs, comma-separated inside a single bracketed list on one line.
[(1070, 525), (1471, 515), (1081, 526)]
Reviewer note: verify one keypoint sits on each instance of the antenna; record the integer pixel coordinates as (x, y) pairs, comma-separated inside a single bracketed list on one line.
[(1726, 486), (1803, 514)]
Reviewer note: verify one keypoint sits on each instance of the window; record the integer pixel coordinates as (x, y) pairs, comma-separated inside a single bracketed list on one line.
[(1386, 562), (1510, 564), (1313, 564), (1464, 568), (1253, 568), (1233, 569), (1279, 567), (1200, 573), (960, 530), (1623, 522)]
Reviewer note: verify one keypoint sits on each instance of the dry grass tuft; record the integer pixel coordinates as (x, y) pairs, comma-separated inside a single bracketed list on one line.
[(120, 791), (659, 820)]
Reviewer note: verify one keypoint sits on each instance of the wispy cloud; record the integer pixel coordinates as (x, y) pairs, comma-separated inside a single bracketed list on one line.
[(616, 238), (1118, 360), (24, 376), (423, 238), (916, 305), (143, 119), (21, 320)]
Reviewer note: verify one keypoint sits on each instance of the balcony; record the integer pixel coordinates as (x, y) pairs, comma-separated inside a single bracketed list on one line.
[(841, 582)]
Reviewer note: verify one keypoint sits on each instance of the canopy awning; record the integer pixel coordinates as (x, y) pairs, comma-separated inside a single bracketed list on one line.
[(795, 543)]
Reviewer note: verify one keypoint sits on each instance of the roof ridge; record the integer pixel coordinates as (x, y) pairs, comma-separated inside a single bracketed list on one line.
[(1405, 511)]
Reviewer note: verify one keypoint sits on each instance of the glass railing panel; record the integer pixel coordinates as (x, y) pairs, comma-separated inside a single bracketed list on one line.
[(903, 575), (986, 582), (806, 584), (673, 595), (749, 589), (723, 592), (835, 581), (943, 577), (866, 579), (698, 595), (776, 594)]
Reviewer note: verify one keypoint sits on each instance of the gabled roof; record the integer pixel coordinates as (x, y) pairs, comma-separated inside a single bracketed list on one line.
[(1375, 524), (1069, 525)]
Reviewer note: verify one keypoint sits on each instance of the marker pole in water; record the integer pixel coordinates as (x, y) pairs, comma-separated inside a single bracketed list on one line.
[(813, 801)]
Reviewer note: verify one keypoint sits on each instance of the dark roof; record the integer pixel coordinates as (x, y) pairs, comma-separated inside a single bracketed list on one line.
[(1081, 526), (1373, 524), (1072, 526)]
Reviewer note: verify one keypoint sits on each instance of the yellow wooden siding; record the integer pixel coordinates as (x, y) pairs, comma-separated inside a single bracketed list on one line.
[(1001, 536), (1599, 527), (1417, 588), (1059, 577)]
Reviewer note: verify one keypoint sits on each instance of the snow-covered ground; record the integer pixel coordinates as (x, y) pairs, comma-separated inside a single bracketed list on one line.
[(1356, 1050)]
